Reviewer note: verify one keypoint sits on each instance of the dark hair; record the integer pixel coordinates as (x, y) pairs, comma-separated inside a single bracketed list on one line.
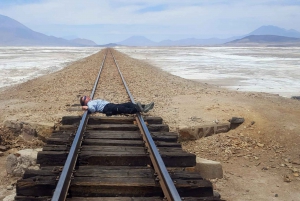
[(82, 99)]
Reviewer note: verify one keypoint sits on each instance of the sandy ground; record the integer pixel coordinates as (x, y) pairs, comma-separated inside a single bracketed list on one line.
[(260, 158)]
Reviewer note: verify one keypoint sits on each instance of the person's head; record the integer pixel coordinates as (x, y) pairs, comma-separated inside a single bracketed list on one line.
[(84, 100)]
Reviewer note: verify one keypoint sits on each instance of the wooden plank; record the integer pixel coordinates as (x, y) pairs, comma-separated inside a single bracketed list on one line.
[(171, 159), (32, 198), (167, 144), (60, 141), (124, 135), (111, 171), (96, 186), (116, 199), (98, 172), (51, 158), (36, 186), (112, 186), (105, 132), (120, 127), (69, 120), (56, 148), (126, 158), (66, 147), (106, 142), (103, 142), (130, 149), (211, 198)]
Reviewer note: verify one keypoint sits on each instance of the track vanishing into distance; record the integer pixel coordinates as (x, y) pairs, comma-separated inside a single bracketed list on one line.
[(121, 158)]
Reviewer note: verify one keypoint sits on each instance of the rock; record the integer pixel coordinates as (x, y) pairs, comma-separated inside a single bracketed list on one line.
[(260, 145), (1, 153), (296, 161), (196, 132), (3, 148), (14, 126), (16, 164), (237, 120), (286, 178), (30, 130), (296, 97), (209, 169), (10, 187), (186, 134), (44, 130), (11, 163), (10, 197)]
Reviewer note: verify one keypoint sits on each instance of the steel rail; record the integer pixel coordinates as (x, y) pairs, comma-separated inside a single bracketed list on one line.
[(63, 184), (165, 180)]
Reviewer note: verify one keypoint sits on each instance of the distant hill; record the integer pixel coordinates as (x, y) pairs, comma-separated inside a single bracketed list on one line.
[(143, 41), (266, 40), (108, 45), (13, 33), (137, 41), (194, 42), (84, 42), (277, 31), (262, 31)]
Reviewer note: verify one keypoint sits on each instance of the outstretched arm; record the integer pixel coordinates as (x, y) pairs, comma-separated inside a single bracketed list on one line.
[(85, 107)]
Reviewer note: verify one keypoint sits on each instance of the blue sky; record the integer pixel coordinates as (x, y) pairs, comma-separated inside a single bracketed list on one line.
[(116, 20)]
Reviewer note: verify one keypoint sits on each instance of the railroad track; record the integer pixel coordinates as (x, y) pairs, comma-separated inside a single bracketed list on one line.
[(113, 158)]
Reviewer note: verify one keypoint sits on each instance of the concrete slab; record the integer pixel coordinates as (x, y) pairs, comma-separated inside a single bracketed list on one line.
[(209, 169), (196, 132)]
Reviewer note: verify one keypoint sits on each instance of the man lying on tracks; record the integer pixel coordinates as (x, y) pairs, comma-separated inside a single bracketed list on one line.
[(109, 109)]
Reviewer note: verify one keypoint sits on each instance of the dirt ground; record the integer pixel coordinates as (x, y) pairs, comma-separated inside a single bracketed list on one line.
[(260, 158)]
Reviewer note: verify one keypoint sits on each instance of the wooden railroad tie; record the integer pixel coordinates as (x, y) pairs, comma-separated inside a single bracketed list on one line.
[(113, 162)]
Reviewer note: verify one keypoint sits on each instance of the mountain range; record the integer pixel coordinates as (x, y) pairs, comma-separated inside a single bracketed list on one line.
[(13, 33), (264, 32), (265, 40)]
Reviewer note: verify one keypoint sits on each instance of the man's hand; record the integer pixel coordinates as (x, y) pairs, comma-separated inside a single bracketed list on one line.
[(85, 107)]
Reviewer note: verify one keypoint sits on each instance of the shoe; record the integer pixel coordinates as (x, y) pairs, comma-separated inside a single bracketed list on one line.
[(148, 107), (139, 107)]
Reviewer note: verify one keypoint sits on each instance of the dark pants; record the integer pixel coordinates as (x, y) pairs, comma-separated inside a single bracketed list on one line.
[(123, 108)]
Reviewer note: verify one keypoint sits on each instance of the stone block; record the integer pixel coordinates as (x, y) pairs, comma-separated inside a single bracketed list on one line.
[(14, 126), (17, 163), (204, 131), (44, 130), (209, 169), (222, 128), (196, 132), (187, 133), (30, 130)]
